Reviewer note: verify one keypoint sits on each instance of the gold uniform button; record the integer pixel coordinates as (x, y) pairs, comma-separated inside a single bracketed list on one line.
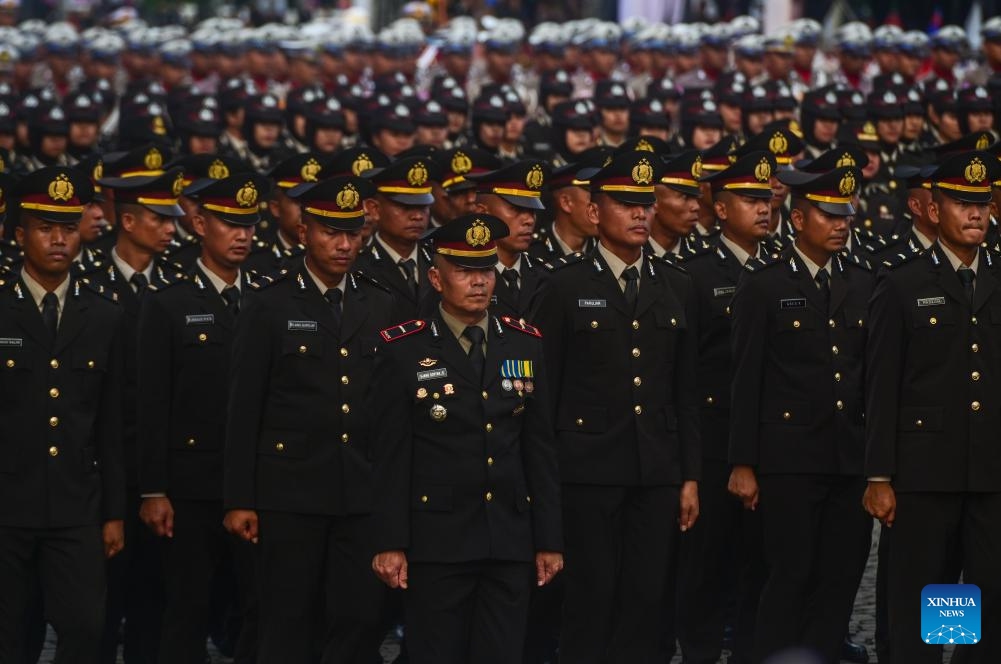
[(54, 392), (786, 415), (489, 496), (484, 394), (975, 376), (974, 320), (674, 322), (490, 461), (637, 381), (975, 406), (53, 421), (796, 324), (302, 349), (861, 323), (53, 451), (424, 499), (280, 447), (636, 352), (191, 442), (636, 325), (709, 401), (638, 410), (345, 380), (344, 438), (579, 422), (840, 405), (10, 364), (831, 323), (728, 311), (528, 499), (594, 324), (345, 408), (975, 348), (933, 321), (203, 337), (344, 352), (919, 423), (834, 349), (54, 364), (489, 427), (90, 364), (837, 376)]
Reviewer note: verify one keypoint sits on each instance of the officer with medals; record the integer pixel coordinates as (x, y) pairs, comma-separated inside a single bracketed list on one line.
[(297, 475), (468, 517), (932, 460), (185, 336), (799, 339), (621, 352), (63, 488)]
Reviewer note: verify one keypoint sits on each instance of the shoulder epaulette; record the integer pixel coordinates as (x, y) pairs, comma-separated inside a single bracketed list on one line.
[(262, 281), (361, 276), (521, 326), (661, 260), (757, 264), (97, 289), (397, 332), (900, 258), (701, 249), (169, 279), (564, 261), (855, 259)]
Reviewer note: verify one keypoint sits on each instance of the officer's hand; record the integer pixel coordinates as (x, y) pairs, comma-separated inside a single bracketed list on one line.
[(158, 515), (113, 534), (744, 485), (881, 502), (242, 523), (689, 505), (391, 567), (547, 565)]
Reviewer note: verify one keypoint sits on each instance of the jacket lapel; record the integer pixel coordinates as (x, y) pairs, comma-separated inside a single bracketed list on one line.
[(72, 320), (29, 317), (839, 285), (607, 284), (312, 302), (985, 284), (355, 311), (452, 352), (947, 277), (807, 286), (210, 300), (649, 288)]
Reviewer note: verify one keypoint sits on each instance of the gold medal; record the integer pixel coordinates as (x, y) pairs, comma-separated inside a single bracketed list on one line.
[(529, 386), (438, 412), (422, 393), (449, 388)]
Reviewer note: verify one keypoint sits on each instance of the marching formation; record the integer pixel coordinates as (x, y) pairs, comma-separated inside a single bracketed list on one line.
[(594, 343)]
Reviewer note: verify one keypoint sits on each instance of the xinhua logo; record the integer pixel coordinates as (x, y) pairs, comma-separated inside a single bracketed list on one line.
[(950, 613)]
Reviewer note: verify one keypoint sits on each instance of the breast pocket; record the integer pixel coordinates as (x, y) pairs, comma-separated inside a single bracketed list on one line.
[(89, 369)]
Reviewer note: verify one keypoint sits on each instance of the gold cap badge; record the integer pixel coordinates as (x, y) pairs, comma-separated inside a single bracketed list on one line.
[(310, 170), (847, 184), (153, 159), (478, 234), (417, 175), (348, 198), (247, 195), (763, 171), (461, 163), (61, 189), (778, 143), (178, 185), (361, 164), (218, 170), (535, 177), (975, 171), (642, 172), (846, 160)]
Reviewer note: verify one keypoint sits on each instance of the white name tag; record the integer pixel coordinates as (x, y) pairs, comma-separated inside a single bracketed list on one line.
[(592, 304), (432, 374), (11, 342), (302, 326), (931, 301), (199, 319)]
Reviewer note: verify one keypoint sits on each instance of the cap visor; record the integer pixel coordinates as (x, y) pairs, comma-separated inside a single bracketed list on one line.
[(470, 262), (166, 210), (129, 182), (631, 197), (750, 193), (412, 199), (54, 217), (837, 209), (526, 202), (459, 187), (687, 191), (348, 225), (967, 196), (300, 189)]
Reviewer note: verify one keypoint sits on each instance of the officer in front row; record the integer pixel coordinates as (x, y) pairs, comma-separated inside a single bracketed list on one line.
[(932, 426), (185, 335), (297, 475), (62, 494), (468, 515)]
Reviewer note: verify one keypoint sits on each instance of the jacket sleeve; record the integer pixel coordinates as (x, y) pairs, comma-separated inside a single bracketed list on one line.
[(154, 394), (541, 468), (109, 429), (748, 337), (884, 361), (686, 380)]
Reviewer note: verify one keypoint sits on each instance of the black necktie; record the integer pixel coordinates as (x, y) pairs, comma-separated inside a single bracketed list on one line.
[(139, 282), (511, 277), (232, 296), (966, 277), (823, 280), (476, 358), (632, 278), (409, 267), (334, 296), (50, 313)]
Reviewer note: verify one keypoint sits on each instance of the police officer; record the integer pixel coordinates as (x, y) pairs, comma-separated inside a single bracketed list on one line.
[(185, 335), (676, 212), (935, 306), (620, 345), (469, 508), (798, 338), (454, 195), (571, 230), (64, 480)]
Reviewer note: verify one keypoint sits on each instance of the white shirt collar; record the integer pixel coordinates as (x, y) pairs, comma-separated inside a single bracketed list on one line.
[(563, 245), (320, 286), (956, 263), (38, 291), (392, 253), (127, 270), (661, 251), (516, 267), (926, 242), (217, 282), (738, 251), (810, 265), (616, 265)]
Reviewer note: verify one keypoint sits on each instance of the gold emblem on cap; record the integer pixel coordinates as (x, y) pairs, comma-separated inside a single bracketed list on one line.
[(778, 143), (478, 234), (178, 185), (847, 184), (247, 195), (310, 170), (795, 129), (159, 128), (417, 175), (642, 172), (846, 160), (153, 159), (348, 198), (983, 142), (535, 177), (763, 171), (975, 171), (461, 163), (61, 189), (869, 127), (361, 164), (644, 146), (697, 167), (218, 170)]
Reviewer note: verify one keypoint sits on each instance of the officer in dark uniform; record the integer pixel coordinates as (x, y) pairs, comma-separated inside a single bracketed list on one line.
[(185, 335), (571, 230), (720, 557), (297, 458), (932, 460), (400, 210), (621, 352), (513, 194), (798, 338), (468, 516), (146, 208), (63, 483), (454, 195), (676, 212)]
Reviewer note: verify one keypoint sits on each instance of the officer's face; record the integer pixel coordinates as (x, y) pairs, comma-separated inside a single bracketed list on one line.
[(615, 120), (579, 140), (202, 144), (397, 222), (756, 121), (48, 248), (288, 214), (327, 139), (825, 131), (818, 232), (731, 117), (465, 292), (491, 133), (392, 143), (909, 66), (266, 134), (456, 122), (948, 126), (83, 134), (890, 129), (888, 61), (745, 219), (704, 138), (960, 224), (330, 252), (779, 193), (91, 223), (574, 202), (622, 226), (604, 61), (980, 121), (674, 212), (520, 221), (514, 127), (148, 230), (53, 146), (463, 202), (223, 244), (435, 136)]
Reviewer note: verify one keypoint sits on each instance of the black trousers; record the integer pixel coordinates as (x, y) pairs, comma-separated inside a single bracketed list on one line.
[(459, 613), (192, 559), (619, 542), (135, 593), (69, 564), (816, 537), (720, 571), (931, 532), (318, 598)]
